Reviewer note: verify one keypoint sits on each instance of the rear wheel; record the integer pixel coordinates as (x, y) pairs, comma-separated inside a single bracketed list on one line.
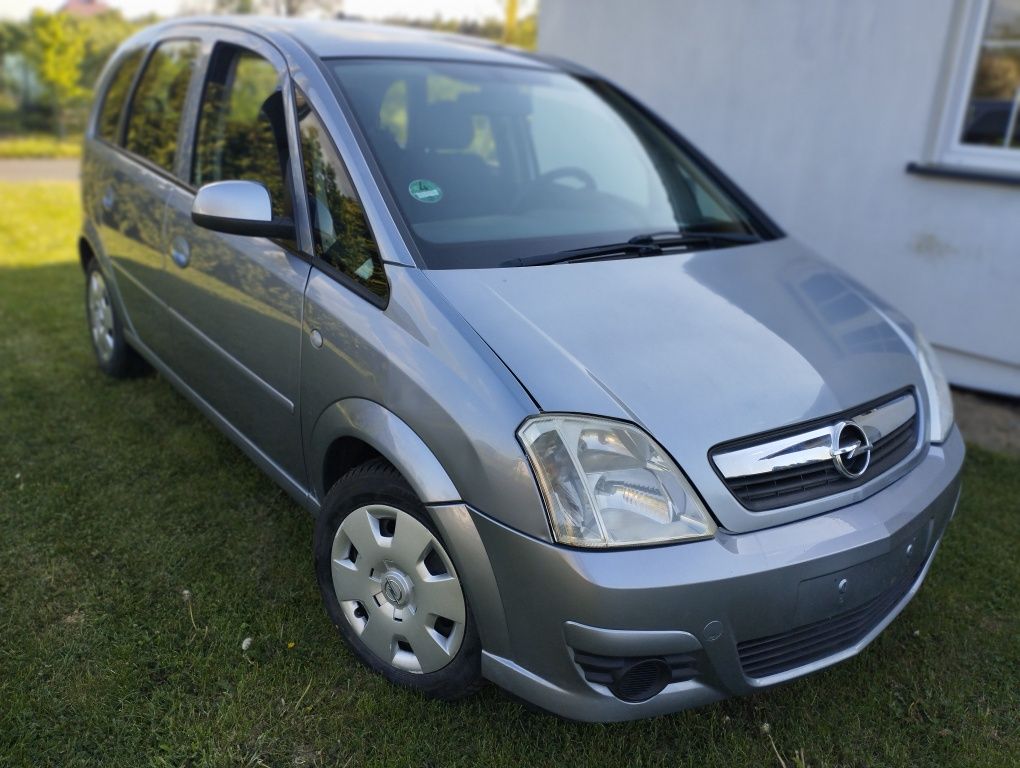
[(391, 588), (114, 356)]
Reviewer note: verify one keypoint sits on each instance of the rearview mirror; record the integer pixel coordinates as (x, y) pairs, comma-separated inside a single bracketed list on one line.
[(238, 208)]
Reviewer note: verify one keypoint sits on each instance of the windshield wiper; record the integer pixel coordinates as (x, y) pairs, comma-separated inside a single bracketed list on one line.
[(653, 244), (695, 237)]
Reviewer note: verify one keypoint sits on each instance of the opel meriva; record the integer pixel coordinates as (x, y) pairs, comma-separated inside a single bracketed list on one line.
[(572, 413)]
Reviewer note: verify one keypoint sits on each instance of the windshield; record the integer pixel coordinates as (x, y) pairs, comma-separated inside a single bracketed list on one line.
[(489, 164)]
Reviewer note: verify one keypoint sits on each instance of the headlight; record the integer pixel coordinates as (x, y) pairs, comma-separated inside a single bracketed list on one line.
[(607, 484), (940, 399)]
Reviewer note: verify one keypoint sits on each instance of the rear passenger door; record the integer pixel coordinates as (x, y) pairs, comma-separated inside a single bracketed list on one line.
[(236, 300), (134, 176)]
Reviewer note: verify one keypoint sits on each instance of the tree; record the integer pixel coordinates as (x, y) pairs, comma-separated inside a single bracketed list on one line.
[(12, 40), (56, 47), (102, 34), (296, 7), (234, 6), (525, 33), (12, 37)]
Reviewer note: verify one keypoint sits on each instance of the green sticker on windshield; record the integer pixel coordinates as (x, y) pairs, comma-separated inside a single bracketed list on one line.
[(425, 191)]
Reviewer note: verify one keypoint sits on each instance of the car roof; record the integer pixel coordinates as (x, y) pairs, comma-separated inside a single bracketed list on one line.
[(358, 39)]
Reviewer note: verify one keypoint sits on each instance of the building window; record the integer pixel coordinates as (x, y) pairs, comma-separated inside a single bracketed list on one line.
[(981, 125)]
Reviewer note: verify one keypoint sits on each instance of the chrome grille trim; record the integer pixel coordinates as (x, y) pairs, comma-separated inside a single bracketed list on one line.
[(792, 467), (814, 445)]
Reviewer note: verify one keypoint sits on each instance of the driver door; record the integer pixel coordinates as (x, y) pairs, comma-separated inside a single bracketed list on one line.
[(237, 300)]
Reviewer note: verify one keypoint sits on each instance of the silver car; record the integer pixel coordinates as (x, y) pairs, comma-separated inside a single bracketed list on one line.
[(572, 414)]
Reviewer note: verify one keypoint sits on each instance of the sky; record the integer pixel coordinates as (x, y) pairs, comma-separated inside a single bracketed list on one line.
[(371, 9)]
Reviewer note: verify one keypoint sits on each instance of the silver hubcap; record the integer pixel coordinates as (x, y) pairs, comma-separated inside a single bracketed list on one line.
[(100, 317), (398, 589)]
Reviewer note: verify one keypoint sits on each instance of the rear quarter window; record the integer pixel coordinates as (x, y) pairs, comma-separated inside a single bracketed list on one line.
[(108, 123)]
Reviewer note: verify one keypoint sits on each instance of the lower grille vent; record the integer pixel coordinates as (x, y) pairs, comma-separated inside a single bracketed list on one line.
[(780, 653)]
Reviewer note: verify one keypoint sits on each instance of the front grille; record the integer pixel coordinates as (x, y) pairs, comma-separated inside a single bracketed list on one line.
[(606, 670), (788, 650), (798, 464), (786, 487)]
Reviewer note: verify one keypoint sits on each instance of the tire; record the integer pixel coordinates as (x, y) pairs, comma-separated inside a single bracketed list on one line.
[(366, 539), (106, 331)]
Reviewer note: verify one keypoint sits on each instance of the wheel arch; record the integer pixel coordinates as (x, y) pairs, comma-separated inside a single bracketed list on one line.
[(86, 253), (88, 244), (354, 430)]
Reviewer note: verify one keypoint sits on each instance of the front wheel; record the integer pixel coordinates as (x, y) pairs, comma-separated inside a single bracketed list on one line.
[(114, 356), (390, 587)]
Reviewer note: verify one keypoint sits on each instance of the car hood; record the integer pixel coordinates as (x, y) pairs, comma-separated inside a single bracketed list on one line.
[(698, 348)]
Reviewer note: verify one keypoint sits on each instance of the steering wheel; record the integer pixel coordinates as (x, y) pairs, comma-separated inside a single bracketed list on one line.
[(549, 179)]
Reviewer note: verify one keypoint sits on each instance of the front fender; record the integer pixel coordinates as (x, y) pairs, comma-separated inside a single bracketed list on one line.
[(391, 437), (400, 445)]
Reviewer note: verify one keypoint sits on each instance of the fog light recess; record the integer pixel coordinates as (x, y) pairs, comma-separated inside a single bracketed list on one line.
[(636, 679), (641, 680)]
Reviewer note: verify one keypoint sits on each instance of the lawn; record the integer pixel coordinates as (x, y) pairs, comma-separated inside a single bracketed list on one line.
[(38, 145), (139, 548)]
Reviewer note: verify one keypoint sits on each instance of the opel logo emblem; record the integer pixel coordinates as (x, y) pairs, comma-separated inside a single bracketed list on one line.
[(393, 591), (851, 449)]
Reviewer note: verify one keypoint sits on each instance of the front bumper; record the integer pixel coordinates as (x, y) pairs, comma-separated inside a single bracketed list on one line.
[(736, 613)]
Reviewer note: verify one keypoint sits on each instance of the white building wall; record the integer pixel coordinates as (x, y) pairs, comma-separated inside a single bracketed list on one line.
[(815, 108)]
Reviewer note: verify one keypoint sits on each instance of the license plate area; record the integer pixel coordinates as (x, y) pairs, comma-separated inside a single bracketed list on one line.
[(824, 597)]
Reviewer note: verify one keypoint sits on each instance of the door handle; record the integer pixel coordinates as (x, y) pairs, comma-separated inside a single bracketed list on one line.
[(108, 199), (180, 252)]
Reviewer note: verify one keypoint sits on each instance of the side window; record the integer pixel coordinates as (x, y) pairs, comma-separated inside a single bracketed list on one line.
[(242, 130), (116, 93), (158, 102), (340, 231)]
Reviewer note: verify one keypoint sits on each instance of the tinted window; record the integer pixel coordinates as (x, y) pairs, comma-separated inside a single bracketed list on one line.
[(242, 131), (158, 102), (340, 231), (489, 164), (116, 93)]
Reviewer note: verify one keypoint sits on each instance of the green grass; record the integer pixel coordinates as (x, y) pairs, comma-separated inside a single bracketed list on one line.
[(117, 497), (38, 146)]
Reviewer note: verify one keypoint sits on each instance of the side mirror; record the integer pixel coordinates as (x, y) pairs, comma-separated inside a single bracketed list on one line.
[(238, 208)]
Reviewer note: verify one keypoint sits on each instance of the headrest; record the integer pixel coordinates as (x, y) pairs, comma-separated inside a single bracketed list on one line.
[(443, 125)]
